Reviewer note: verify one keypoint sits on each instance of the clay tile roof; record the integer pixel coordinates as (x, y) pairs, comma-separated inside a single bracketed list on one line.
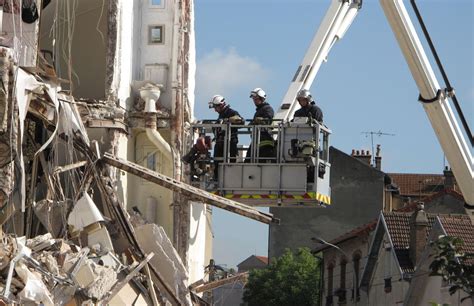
[(398, 225), (418, 184), (411, 206), (462, 227), (263, 259)]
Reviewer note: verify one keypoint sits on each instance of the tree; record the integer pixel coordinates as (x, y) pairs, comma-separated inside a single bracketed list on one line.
[(453, 265), (292, 279)]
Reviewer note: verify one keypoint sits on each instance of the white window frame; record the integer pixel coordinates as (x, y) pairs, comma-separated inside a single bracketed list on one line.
[(148, 151), (162, 26), (157, 6)]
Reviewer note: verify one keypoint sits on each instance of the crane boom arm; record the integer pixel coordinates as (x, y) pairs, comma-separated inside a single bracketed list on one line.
[(439, 111), (337, 20)]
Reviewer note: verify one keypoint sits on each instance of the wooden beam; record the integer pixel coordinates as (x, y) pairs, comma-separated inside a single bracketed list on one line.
[(221, 282), (118, 286), (191, 192)]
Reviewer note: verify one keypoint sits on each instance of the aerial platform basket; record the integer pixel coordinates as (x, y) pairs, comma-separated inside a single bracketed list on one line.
[(297, 174)]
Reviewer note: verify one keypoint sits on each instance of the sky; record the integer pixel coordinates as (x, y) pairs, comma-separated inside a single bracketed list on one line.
[(364, 86)]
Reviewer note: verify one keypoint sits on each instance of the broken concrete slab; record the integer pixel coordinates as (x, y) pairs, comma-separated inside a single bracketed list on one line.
[(100, 236), (127, 296), (51, 215), (152, 238)]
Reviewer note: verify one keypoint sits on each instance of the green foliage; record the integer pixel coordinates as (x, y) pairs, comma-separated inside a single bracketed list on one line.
[(292, 279), (436, 304), (452, 265)]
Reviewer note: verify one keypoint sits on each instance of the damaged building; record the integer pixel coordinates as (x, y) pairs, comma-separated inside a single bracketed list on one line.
[(95, 102)]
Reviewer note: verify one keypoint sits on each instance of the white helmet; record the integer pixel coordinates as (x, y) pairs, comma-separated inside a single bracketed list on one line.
[(216, 101), (304, 93), (258, 92)]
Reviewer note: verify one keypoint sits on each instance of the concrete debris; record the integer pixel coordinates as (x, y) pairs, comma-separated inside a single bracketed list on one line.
[(66, 238), (105, 278), (127, 296), (72, 242), (34, 290), (51, 215), (166, 260)]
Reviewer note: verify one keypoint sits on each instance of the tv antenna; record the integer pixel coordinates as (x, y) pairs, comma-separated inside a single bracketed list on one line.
[(372, 133)]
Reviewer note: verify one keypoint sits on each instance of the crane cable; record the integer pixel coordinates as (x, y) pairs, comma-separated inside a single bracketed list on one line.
[(449, 89)]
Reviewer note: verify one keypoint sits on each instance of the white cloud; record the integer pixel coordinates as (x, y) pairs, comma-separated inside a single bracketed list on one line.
[(225, 71)]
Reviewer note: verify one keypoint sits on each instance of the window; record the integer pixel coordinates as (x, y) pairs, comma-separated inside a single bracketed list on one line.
[(388, 285), (156, 34), (356, 261), (330, 279), (157, 3), (151, 161), (342, 287)]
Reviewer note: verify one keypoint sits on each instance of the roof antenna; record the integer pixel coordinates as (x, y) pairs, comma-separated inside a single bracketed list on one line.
[(372, 133)]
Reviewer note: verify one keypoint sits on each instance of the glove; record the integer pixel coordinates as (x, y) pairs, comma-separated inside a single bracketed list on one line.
[(259, 120), (235, 119)]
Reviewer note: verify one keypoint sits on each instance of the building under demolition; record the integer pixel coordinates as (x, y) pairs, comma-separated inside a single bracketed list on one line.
[(92, 92)]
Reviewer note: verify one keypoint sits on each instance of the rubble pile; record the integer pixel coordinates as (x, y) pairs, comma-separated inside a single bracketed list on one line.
[(55, 271), (66, 239)]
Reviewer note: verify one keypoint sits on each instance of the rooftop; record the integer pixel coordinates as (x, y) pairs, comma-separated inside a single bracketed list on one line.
[(418, 185), (460, 226), (356, 232)]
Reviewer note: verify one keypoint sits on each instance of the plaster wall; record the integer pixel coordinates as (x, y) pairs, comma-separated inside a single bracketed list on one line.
[(357, 199), (199, 227), (141, 191), (158, 55), (446, 204), (437, 291), (359, 245), (88, 43), (386, 267), (126, 51)]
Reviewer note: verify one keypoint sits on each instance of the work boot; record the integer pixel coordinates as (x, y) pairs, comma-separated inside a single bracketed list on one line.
[(190, 156)]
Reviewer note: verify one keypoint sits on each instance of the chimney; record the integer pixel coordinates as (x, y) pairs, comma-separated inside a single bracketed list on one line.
[(378, 159), (362, 156), (418, 227), (448, 178)]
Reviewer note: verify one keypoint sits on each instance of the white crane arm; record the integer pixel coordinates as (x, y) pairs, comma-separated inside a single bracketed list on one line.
[(439, 111), (337, 20)]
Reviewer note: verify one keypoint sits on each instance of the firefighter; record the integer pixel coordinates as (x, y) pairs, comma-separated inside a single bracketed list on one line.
[(309, 110), (263, 115), (226, 114), (202, 146), (308, 106)]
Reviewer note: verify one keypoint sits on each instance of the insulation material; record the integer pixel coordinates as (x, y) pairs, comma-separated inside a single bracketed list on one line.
[(35, 290), (8, 126), (19, 35), (70, 120), (25, 85)]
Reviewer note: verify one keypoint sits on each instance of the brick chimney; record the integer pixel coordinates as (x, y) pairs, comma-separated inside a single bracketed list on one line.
[(448, 178), (418, 227), (362, 156), (378, 159)]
